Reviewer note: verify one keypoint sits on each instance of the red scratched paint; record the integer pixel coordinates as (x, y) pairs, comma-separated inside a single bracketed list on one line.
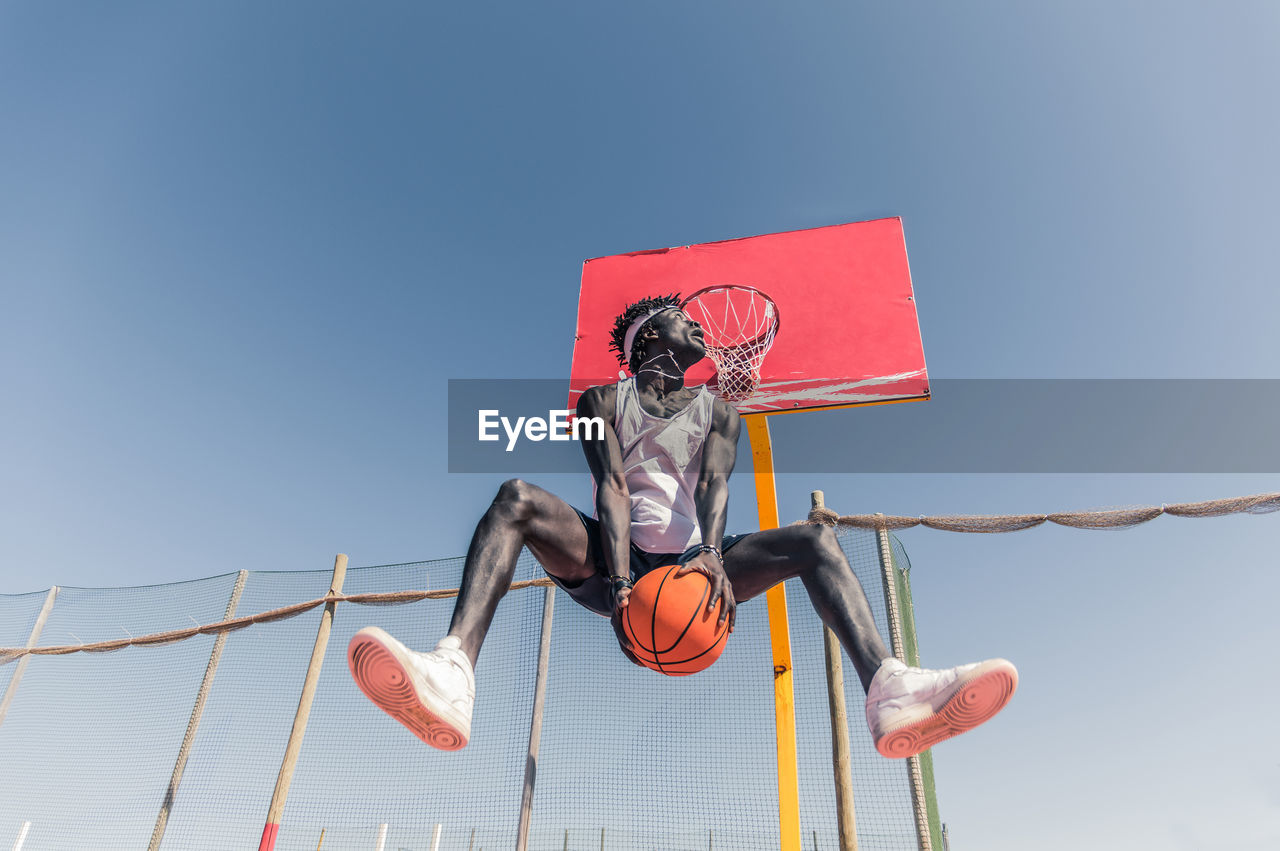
[(269, 833), (848, 331)]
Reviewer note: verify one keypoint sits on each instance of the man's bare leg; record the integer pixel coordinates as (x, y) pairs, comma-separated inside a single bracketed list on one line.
[(762, 560), (521, 515), (908, 709), (433, 693)]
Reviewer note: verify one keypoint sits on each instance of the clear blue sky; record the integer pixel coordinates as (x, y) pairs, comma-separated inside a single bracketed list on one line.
[(243, 248)]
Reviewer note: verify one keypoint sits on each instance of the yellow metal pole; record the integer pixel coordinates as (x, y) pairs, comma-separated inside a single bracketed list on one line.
[(780, 639)]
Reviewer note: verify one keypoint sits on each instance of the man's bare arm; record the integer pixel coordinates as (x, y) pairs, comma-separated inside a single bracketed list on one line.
[(719, 454), (613, 500)]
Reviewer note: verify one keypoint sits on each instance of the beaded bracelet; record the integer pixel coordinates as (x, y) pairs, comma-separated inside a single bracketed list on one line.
[(707, 548)]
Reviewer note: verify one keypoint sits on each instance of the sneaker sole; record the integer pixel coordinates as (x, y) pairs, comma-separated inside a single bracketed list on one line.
[(984, 692), (383, 679)]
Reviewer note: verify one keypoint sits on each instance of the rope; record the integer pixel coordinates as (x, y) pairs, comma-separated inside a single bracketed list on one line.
[(1112, 518), (388, 598), (1116, 518)]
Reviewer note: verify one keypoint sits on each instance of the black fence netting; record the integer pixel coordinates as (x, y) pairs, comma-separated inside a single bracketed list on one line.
[(629, 759)]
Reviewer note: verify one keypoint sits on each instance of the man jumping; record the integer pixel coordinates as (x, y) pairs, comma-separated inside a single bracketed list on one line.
[(661, 473)]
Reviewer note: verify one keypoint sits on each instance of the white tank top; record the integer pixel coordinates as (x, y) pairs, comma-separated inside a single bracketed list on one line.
[(662, 460)]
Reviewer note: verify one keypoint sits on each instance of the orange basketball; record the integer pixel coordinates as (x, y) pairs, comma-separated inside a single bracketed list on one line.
[(667, 622)]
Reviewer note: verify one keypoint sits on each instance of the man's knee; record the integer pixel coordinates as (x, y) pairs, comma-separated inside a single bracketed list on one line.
[(516, 500), (821, 545)]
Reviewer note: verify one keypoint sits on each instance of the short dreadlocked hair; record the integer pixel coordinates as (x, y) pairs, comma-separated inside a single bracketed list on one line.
[(633, 312)]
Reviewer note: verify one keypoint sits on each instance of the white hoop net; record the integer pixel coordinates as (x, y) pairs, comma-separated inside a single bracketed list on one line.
[(738, 324)]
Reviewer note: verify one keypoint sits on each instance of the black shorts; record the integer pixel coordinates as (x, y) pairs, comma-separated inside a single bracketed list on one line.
[(595, 593)]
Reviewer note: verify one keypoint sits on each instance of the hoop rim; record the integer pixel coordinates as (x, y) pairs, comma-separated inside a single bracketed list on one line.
[(777, 314)]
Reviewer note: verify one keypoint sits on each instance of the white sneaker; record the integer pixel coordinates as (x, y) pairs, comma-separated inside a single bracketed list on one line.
[(912, 709), (430, 693)]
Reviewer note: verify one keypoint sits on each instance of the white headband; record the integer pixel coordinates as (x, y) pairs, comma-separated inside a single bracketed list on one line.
[(629, 340)]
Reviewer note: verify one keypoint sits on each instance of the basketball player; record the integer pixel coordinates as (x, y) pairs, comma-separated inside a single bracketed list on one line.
[(662, 487)]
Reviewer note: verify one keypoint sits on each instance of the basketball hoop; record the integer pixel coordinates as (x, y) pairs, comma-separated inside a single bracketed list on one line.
[(738, 325)]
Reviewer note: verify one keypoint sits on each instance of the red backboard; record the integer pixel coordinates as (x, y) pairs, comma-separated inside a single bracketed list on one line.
[(847, 335)]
